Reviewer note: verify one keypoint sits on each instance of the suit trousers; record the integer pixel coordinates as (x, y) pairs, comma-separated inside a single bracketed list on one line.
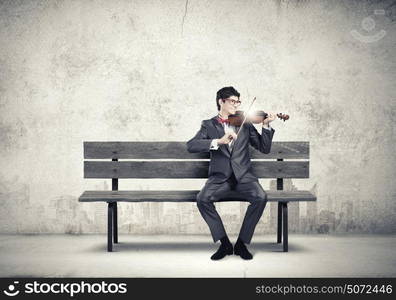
[(251, 191)]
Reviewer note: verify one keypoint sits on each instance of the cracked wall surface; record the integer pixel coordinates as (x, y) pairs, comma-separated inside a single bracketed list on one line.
[(74, 71)]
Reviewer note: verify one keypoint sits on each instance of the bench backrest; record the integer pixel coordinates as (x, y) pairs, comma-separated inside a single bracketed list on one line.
[(172, 160)]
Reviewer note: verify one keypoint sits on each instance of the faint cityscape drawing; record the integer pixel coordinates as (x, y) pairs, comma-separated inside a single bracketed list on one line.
[(65, 214)]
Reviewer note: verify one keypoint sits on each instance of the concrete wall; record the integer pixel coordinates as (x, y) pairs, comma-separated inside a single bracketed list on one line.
[(73, 71)]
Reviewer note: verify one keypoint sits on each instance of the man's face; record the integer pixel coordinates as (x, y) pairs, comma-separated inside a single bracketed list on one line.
[(230, 105)]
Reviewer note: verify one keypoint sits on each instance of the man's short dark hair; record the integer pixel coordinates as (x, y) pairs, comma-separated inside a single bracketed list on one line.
[(224, 93)]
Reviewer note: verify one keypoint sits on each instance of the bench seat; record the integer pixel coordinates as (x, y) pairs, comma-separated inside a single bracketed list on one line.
[(185, 196)]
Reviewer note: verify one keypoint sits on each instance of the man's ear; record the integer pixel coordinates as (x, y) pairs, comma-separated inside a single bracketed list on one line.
[(221, 100)]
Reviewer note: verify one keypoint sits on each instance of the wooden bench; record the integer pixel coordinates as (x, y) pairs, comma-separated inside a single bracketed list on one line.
[(147, 160)]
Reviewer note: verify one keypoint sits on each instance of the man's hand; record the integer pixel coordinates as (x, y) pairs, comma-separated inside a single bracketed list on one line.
[(269, 118), (227, 138)]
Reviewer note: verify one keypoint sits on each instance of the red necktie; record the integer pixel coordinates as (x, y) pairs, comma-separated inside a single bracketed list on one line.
[(222, 121)]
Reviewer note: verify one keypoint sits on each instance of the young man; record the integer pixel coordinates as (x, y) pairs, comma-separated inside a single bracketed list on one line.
[(229, 169)]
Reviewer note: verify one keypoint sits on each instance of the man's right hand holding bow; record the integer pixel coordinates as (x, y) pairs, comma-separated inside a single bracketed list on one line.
[(227, 138)]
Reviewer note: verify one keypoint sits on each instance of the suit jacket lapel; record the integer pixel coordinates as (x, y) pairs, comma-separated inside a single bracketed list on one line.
[(221, 133)]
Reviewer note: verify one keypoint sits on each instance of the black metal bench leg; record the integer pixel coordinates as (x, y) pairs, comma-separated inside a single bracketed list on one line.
[(279, 239), (285, 228), (115, 223), (110, 227)]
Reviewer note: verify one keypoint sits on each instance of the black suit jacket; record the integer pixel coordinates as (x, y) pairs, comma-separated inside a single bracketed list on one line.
[(224, 162)]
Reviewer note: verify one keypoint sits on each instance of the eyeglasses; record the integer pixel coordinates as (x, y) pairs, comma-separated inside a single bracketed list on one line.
[(234, 102)]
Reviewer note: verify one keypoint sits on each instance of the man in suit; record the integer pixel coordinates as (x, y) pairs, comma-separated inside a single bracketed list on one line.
[(230, 169)]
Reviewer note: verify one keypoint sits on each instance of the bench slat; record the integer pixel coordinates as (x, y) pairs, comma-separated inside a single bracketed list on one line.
[(184, 196), (178, 150), (187, 169)]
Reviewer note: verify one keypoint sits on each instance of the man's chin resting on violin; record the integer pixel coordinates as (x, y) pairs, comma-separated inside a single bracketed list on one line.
[(230, 169)]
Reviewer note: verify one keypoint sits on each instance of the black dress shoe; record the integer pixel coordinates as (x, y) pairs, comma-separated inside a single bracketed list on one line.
[(222, 252), (241, 250)]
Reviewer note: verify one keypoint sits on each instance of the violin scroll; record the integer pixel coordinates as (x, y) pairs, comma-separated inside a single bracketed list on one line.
[(283, 117)]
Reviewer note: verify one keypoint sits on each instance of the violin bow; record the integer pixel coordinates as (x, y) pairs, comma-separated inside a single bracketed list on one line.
[(247, 112)]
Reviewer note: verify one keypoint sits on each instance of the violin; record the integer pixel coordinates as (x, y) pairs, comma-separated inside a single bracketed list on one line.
[(254, 117)]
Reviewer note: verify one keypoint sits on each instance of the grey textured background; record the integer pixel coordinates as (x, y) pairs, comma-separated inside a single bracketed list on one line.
[(72, 71)]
